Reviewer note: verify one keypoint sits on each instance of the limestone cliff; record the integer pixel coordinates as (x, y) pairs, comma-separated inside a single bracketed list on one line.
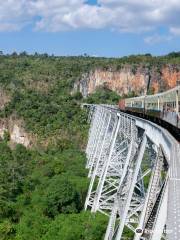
[(4, 98), (139, 79), (16, 131)]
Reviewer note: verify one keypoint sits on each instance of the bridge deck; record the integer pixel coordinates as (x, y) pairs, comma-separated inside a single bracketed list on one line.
[(171, 148)]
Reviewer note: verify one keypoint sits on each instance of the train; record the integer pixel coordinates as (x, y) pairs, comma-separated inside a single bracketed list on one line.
[(161, 108)]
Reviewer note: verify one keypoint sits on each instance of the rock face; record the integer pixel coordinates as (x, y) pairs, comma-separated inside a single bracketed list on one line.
[(12, 125), (4, 98), (16, 131), (3, 128), (18, 135), (128, 79)]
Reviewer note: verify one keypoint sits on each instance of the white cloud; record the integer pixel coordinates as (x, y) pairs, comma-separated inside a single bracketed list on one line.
[(61, 15), (156, 38), (13, 14), (175, 30)]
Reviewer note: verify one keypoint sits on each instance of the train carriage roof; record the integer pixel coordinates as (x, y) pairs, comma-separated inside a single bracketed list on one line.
[(168, 96), (134, 99)]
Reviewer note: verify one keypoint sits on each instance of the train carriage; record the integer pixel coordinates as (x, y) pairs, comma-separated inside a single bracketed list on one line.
[(162, 108)]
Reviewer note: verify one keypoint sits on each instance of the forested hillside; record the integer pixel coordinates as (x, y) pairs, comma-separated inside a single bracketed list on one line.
[(43, 185)]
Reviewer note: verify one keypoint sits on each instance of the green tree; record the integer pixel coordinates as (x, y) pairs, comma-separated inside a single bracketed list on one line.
[(84, 226)]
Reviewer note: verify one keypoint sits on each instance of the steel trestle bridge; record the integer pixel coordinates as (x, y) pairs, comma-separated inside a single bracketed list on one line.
[(134, 171)]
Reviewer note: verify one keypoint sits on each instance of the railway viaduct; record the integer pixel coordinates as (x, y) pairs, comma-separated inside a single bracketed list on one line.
[(134, 172)]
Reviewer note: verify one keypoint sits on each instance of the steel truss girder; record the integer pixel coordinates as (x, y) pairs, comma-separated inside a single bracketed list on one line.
[(115, 155), (95, 129), (110, 162), (158, 195), (125, 193), (147, 220)]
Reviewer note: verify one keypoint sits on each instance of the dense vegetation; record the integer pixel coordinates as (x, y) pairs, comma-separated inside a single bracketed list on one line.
[(42, 195), (103, 95), (43, 188)]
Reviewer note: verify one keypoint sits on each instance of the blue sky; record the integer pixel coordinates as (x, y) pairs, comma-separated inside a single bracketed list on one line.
[(99, 28)]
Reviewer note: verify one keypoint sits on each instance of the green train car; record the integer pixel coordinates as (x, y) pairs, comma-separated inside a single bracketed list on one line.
[(162, 108)]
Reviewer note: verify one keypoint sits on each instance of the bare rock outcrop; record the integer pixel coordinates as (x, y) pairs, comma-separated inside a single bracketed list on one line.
[(4, 98), (129, 79), (16, 131)]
